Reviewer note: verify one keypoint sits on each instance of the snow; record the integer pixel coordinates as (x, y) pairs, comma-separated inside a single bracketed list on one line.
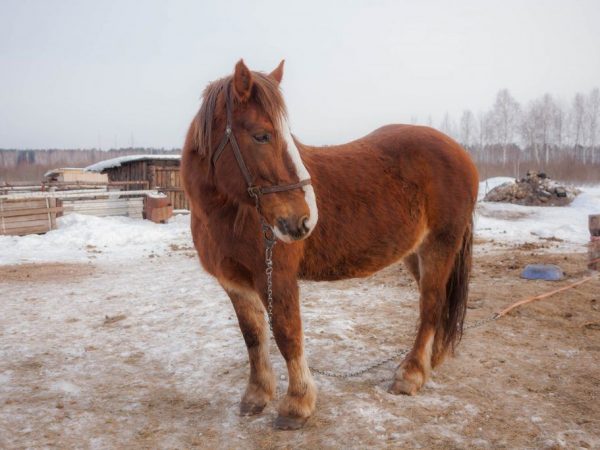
[(117, 162), (173, 359), (85, 238), (566, 227)]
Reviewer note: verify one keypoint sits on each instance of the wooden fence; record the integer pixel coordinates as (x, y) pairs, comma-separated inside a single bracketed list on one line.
[(130, 207), (28, 216), (35, 212)]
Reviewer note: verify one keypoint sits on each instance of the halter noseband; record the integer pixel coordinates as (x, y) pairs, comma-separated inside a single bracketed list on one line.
[(254, 191)]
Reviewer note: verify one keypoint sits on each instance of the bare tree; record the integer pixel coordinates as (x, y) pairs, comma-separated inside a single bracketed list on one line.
[(528, 129), (447, 125), (506, 113), (577, 124), (558, 126), (468, 128), (592, 119), (547, 114)]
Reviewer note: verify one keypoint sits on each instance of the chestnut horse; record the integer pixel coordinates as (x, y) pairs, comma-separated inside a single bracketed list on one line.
[(401, 192)]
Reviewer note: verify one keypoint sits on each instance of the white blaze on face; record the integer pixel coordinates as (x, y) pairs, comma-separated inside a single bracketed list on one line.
[(309, 192)]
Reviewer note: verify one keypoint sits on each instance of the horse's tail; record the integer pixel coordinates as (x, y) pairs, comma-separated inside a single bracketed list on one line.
[(455, 305)]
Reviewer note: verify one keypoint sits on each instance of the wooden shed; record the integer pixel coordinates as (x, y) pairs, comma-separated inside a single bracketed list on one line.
[(160, 172), (73, 175)]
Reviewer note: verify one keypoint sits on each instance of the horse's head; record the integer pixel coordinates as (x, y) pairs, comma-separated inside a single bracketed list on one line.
[(254, 106)]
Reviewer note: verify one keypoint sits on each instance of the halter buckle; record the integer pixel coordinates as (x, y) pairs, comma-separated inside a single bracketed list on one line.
[(254, 191)]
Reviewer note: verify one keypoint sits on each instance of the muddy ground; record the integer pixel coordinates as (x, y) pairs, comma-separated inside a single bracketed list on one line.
[(147, 354)]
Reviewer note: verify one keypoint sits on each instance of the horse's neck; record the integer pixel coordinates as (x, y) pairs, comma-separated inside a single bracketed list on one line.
[(221, 210)]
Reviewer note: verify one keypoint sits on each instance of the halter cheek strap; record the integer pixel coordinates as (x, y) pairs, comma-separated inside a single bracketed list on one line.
[(254, 191)]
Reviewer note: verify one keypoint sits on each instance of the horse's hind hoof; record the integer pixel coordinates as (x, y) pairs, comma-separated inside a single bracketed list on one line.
[(289, 423), (405, 387), (251, 409)]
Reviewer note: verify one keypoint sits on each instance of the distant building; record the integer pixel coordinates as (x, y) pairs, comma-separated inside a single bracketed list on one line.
[(159, 172)]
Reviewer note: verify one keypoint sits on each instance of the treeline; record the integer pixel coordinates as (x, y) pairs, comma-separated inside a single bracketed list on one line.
[(547, 134), (562, 138), (30, 165)]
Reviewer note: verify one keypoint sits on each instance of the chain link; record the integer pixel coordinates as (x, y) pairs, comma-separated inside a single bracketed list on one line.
[(269, 271), (270, 241), (396, 355), (357, 372), (482, 322)]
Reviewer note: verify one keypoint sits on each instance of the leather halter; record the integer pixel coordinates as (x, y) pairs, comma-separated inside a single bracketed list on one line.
[(254, 191)]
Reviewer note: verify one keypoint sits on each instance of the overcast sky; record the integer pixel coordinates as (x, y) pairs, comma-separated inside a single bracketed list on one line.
[(106, 73)]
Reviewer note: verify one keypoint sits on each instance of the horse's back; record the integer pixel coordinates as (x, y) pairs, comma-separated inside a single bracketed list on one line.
[(443, 170), (379, 195)]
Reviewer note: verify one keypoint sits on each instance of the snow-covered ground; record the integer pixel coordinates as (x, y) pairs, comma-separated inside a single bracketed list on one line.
[(84, 238), (565, 227), (135, 346)]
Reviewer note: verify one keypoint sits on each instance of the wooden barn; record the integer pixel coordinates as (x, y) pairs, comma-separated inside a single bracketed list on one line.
[(160, 172)]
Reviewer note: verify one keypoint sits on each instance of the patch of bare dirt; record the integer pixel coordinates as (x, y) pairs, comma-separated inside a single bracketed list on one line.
[(527, 380), (46, 272)]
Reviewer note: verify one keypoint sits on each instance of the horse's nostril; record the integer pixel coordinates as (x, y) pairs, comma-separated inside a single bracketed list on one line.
[(302, 224), (283, 225)]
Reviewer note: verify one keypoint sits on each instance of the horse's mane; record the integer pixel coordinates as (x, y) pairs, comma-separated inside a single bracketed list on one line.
[(265, 93)]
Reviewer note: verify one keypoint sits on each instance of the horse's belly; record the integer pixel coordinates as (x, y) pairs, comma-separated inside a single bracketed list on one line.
[(327, 262)]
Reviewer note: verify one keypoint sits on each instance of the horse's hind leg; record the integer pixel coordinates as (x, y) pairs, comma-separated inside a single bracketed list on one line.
[(434, 265), (251, 317), (412, 264)]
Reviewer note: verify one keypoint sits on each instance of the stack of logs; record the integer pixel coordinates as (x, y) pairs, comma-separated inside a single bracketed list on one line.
[(594, 247)]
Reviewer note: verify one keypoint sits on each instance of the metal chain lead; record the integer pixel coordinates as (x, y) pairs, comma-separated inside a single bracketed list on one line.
[(357, 372), (395, 355), (269, 244)]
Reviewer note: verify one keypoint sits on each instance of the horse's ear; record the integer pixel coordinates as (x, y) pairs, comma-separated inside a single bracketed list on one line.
[(277, 74), (242, 81)]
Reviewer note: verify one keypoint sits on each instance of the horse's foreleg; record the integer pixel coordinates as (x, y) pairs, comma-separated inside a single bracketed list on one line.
[(299, 402), (433, 266), (251, 318)]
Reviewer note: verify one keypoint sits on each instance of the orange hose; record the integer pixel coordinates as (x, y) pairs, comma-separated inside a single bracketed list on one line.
[(542, 296)]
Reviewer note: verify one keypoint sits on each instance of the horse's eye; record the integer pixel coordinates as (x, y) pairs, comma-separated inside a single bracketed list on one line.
[(262, 138)]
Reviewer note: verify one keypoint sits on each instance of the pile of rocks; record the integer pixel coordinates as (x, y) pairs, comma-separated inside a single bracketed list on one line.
[(536, 189)]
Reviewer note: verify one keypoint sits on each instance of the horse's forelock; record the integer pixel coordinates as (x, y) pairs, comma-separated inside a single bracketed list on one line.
[(265, 93)]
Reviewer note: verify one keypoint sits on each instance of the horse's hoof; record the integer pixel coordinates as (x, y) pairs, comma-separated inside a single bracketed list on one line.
[(289, 423), (251, 409), (405, 387)]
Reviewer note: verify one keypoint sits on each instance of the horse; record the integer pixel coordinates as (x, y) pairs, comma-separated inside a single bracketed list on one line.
[(403, 192)]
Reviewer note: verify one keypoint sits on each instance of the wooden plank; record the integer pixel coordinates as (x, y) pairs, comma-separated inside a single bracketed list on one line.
[(11, 205), (28, 212), (94, 211), (53, 203), (84, 204), (68, 194), (77, 207), (30, 217), (104, 212), (27, 230), (105, 201), (101, 213), (27, 223)]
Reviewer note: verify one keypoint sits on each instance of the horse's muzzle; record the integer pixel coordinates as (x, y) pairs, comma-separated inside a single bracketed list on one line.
[(293, 228)]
